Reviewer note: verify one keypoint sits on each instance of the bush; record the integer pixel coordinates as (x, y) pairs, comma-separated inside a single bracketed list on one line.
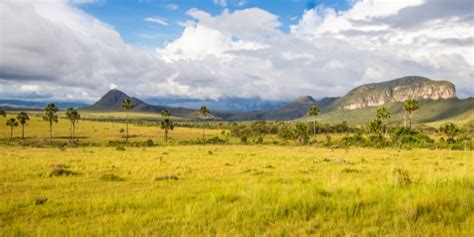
[(402, 178), (60, 170), (215, 140), (243, 139), (407, 138), (354, 140), (111, 178)]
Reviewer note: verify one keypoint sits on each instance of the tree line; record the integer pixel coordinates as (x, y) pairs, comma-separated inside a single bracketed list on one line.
[(299, 132)]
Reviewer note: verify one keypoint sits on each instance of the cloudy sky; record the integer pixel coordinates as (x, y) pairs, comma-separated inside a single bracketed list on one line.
[(76, 50)]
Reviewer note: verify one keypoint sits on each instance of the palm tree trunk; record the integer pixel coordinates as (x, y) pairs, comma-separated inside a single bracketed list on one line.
[(50, 132), (126, 130), (73, 131), (11, 133), (410, 120), (166, 135), (405, 118), (22, 131), (314, 127)]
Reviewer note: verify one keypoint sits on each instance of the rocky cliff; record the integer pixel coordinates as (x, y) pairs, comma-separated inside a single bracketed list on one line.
[(397, 90)]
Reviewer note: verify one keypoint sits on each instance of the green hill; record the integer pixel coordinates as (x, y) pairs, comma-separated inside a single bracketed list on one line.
[(430, 111)]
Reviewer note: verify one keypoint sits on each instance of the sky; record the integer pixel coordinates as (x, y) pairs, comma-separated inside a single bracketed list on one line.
[(77, 50)]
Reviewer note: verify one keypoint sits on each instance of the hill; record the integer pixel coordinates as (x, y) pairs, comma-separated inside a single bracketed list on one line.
[(112, 101), (438, 102), (397, 90), (430, 111)]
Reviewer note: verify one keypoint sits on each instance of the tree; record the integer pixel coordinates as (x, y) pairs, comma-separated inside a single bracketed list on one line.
[(376, 126), (450, 130), (203, 113), (410, 106), (23, 118), (301, 133), (73, 116), (3, 113), (12, 123), (50, 115), (382, 114), (313, 112), (127, 104), (166, 123)]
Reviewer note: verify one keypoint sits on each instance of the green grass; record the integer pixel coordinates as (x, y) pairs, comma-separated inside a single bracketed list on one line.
[(99, 132), (236, 190)]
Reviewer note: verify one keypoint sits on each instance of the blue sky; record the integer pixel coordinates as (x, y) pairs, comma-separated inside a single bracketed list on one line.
[(127, 16)]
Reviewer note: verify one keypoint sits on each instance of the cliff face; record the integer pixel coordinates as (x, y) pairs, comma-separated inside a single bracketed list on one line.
[(398, 90)]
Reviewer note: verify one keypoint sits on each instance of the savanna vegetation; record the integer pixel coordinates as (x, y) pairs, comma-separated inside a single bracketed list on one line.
[(79, 173)]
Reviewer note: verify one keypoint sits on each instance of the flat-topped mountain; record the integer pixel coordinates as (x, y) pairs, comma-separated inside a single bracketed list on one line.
[(397, 90)]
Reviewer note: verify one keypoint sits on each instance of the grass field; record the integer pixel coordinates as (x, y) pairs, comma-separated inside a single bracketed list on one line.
[(99, 132), (235, 190)]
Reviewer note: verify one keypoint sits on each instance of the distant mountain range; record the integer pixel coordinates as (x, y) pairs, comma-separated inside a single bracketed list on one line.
[(18, 104), (438, 101)]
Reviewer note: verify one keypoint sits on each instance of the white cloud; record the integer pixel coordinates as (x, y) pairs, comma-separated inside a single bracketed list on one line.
[(62, 51), (158, 20), (222, 3), (172, 6)]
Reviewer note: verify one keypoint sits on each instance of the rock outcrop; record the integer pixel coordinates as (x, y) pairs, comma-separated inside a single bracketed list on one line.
[(397, 90)]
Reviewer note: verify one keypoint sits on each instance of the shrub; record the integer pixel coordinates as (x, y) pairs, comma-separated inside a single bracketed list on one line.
[(60, 170), (120, 148), (111, 178), (215, 140), (407, 138), (402, 178), (166, 177), (354, 140)]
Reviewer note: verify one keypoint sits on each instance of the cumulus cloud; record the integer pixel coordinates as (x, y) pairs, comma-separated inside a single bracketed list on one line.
[(62, 52)]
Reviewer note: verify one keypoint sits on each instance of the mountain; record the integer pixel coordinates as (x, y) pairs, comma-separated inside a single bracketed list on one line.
[(112, 102), (397, 90), (438, 101), (429, 111), (222, 104), (293, 110), (35, 105)]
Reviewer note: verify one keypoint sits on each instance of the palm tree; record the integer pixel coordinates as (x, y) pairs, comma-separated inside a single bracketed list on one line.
[(127, 104), (313, 112), (410, 106), (450, 130), (376, 126), (73, 116), (166, 123), (203, 113), (382, 114), (50, 115), (12, 123), (23, 119)]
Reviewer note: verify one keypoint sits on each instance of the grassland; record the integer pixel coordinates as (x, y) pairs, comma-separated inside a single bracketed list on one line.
[(89, 131), (236, 190)]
